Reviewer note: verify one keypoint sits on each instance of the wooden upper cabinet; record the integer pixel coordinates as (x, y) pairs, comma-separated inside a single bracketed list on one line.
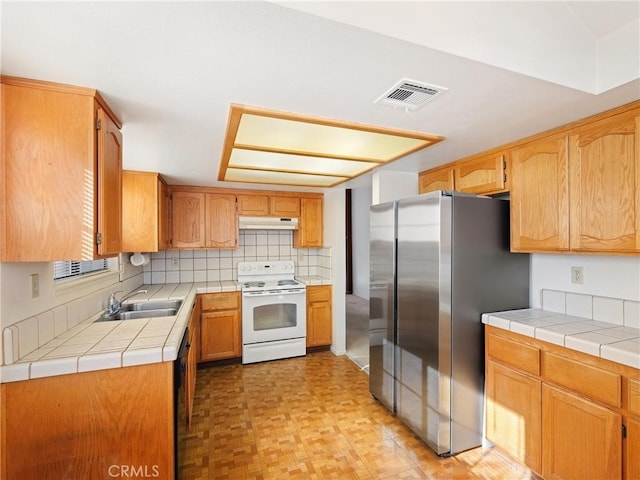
[(268, 205), (604, 179), (61, 171), (203, 220), (221, 221), (188, 219), (540, 196), (109, 185), (310, 227), (281, 206), (485, 175), (145, 212), (253, 205), (436, 179)]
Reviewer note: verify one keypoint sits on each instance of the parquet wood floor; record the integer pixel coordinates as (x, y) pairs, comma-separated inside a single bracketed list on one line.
[(313, 418)]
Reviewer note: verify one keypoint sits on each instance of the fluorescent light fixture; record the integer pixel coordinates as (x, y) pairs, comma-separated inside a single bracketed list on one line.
[(266, 146)]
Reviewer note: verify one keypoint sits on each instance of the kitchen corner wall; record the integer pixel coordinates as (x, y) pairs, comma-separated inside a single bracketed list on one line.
[(604, 275), (207, 265), (76, 299)]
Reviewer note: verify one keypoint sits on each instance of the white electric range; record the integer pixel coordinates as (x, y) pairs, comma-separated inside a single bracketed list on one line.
[(274, 311)]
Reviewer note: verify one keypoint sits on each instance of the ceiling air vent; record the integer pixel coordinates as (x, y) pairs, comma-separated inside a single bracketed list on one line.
[(410, 94)]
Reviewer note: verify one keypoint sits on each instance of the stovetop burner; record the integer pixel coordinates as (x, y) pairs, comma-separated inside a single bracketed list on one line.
[(287, 282), (253, 284)]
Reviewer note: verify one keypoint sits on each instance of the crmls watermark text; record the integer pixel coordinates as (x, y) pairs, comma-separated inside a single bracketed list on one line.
[(134, 471)]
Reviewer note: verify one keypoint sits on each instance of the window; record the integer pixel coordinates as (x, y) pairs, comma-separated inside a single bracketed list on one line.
[(74, 269)]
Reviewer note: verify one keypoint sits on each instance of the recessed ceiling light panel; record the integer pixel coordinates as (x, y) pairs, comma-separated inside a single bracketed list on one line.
[(266, 146), (410, 94)]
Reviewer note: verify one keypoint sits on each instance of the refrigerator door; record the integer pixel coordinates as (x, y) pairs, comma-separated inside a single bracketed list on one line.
[(382, 303), (423, 352)]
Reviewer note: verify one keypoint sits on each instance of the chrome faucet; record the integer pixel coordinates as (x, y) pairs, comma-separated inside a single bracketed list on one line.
[(114, 305)]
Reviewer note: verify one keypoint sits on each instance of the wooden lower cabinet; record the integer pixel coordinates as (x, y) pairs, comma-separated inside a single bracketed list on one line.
[(632, 450), (581, 439), (513, 414), (192, 358), (319, 316), (566, 420), (88, 425), (220, 326)]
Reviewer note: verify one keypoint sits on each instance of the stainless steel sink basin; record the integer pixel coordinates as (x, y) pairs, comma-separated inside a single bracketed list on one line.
[(159, 312), (154, 308), (151, 305)]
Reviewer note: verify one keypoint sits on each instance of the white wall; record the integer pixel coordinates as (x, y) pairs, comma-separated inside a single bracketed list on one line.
[(15, 296), (387, 186), (334, 237), (360, 203), (607, 276)]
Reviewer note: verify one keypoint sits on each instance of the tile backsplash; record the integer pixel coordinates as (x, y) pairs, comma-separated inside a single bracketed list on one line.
[(206, 265), (605, 309)]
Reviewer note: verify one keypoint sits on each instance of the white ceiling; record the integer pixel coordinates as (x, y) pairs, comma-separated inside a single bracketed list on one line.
[(170, 70)]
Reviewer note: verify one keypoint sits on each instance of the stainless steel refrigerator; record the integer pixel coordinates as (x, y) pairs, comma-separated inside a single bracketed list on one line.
[(438, 261)]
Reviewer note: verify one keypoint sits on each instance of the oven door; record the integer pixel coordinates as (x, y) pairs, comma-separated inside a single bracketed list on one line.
[(273, 315)]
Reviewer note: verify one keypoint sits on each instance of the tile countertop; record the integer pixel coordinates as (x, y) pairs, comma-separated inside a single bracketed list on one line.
[(601, 339), (92, 345)]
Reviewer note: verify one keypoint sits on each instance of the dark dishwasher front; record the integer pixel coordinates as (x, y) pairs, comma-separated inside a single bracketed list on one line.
[(179, 403)]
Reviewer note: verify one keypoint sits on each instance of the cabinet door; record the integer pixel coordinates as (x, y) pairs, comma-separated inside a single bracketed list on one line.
[(187, 215), (284, 206), (140, 211), (164, 210), (60, 176), (436, 179), (319, 316), (253, 205), (319, 329), (481, 176), (632, 452), (192, 359), (604, 180), (221, 221), (580, 439), (539, 196), (109, 185), (220, 335), (513, 414), (310, 227)]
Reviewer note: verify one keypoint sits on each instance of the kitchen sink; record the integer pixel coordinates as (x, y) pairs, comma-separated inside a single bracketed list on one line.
[(151, 305), (158, 312), (154, 308)]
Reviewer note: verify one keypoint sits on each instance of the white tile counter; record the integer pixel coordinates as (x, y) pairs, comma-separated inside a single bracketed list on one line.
[(314, 280), (92, 345), (610, 341)]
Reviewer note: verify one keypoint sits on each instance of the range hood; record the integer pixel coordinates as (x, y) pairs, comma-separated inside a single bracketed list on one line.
[(267, 223)]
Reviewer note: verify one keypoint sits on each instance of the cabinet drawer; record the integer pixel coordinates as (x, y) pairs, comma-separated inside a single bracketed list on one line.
[(221, 301), (633, 396), (518, 355), (591, 381), (319, 294)]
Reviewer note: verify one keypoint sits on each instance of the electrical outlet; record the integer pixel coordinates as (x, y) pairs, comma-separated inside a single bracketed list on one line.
[(35, 285), (577, 275), (175, 261)]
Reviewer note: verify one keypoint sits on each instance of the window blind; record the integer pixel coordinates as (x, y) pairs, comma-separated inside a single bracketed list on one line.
[(67, 269)]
